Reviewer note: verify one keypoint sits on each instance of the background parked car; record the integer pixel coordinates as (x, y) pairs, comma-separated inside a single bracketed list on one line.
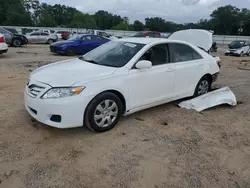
[(78, 44), (150, 34), (47, 31), (239, 48), (3, 45), (63, 34), (100, 33), (38, 37), (13, 38)]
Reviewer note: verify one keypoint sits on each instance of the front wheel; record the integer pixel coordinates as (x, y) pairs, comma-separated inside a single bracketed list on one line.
[(16, 43), (103, 112), (203, 86), (71, 51)]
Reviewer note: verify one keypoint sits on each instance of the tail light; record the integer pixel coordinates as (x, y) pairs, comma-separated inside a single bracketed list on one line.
[(2, 40)]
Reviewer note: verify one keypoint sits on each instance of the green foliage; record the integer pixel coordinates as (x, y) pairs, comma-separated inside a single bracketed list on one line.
[(121, 26), (224, 20), (81, 20), (138, 26)]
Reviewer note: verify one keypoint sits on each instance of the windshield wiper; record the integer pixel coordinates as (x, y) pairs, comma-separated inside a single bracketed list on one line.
[(88, 60)]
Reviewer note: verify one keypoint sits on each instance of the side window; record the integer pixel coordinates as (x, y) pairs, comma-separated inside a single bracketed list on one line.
[(99, 33), (150, 35), (158, 55), (3, 31), (182, 52), (86, 38), (246, 43), (44, 34), (105, 34), (157, 35), (35, 34), (95, 37)]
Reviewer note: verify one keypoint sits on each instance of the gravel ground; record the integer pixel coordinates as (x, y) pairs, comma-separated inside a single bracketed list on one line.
[(162, 147)]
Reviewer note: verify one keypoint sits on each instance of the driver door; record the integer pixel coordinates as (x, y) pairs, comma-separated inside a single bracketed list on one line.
[(85, 44), (149, 87)]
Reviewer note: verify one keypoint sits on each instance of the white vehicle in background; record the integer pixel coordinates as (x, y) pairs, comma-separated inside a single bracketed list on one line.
[(239, 48), (101, 33), (120, 77), (3, 45), (47, 31)]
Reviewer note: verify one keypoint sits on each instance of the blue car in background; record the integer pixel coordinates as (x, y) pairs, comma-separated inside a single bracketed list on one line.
[(78, 44)]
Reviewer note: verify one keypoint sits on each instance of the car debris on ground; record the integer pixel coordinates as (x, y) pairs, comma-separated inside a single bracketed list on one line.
[(211, 99)]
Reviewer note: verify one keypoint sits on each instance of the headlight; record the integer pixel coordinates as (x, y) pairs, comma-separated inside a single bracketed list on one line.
[(62, 92)]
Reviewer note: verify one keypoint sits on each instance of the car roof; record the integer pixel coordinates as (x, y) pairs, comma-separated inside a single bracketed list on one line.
[(141, 40)]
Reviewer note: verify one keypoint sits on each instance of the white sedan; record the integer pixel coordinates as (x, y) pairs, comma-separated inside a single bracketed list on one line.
[(119, 78), (3, 45)]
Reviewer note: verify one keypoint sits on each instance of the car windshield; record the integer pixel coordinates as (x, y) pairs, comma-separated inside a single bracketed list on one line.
[(12, 30), (113, 53), (237, 44), (75, 37)]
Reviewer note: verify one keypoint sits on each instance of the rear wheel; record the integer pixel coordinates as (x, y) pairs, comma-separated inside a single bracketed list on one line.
[(103, 112), (16, 43), (203, 86), (71, 51)]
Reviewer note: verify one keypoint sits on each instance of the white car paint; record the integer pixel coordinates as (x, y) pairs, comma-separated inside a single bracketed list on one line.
[(197, 37), (141, 88), (3, 45), (211, 99)]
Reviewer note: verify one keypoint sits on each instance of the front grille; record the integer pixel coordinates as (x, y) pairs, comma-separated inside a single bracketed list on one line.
[(55, 48), (34, 90)]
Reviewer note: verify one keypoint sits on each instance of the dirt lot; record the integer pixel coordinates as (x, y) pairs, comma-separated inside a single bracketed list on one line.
[(163, 147)]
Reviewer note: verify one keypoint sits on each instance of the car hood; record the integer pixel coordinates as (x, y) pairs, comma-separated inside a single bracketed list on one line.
[(62, 43), (70, 72), (197, 37)]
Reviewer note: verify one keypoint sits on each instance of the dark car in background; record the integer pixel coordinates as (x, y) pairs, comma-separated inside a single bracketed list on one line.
[(13, 38), (78, 44), (150, 34)]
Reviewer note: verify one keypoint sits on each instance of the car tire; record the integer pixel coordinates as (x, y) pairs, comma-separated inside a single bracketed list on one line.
[(50, 41), (71, 51), (16, 43), (103, 112), (203, 86)]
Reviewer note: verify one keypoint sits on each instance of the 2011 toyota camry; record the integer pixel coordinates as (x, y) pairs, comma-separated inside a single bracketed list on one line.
[(119, 78)]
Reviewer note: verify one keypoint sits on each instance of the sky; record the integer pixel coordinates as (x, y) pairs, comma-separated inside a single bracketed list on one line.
[(179, 11)]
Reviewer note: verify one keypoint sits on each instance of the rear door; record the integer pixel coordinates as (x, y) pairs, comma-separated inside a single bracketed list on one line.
[(34, 37), (43, 38), (189, 68)]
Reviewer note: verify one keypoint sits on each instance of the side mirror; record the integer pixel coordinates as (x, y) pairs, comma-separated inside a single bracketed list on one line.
[(143, 64)]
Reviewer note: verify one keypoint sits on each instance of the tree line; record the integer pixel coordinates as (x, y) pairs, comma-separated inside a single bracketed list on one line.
[(228, 19)]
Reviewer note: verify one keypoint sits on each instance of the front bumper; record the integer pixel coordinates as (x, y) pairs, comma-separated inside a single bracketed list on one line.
[(57, 50), (61, 113), (234, 53)]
